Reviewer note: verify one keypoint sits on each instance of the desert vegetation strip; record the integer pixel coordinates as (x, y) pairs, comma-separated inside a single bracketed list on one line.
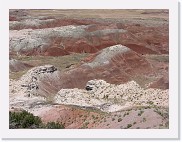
[(26, 120)]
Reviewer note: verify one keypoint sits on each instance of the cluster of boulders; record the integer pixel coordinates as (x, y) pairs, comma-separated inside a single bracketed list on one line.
[(99, 93)]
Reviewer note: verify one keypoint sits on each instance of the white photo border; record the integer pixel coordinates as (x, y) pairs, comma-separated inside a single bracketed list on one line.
[(171, 133)]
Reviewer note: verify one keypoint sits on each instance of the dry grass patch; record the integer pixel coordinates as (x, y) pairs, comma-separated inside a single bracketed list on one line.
[(61, 62), (159, 58)]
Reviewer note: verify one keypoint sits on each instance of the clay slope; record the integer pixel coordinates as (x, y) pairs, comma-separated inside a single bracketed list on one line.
[(40, 35), (75, 117), (162, 83), (79, 39), (99, 104), (116, 64)]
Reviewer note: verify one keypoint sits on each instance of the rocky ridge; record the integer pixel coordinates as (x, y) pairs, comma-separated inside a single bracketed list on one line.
[(110, 97), (107, 54), (28, 39)]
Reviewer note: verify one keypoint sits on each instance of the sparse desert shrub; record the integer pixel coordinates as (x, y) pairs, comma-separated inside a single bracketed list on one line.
[(164, 114), (53, 125), (113, 119), (129, 125), (126, 113), (161, 125), (167, 124), (150, 102), (140, 112), (120, 119), (96, 117), (85, 125), (144, 119), (147, 107)]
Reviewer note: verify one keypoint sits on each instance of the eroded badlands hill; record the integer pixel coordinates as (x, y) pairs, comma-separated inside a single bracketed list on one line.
[(88, 70)]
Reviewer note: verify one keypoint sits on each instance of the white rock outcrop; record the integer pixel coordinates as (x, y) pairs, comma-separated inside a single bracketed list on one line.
[(110, 97), (23, 92)]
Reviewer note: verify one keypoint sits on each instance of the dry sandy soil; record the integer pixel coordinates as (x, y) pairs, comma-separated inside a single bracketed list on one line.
[(95, 69)]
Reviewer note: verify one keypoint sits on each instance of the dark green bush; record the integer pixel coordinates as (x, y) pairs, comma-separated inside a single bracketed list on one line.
[(129, 125), (24, 119), (120, 119), (53, 125)]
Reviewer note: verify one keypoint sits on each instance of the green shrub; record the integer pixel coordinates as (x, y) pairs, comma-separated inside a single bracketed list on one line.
[(24, 119), (120, 119), (140, 112), (144, 119), (53, 125), (129, 125)]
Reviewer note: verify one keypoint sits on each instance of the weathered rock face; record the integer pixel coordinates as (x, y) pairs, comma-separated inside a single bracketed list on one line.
[(110, 97), (30, 92), (30, 82)]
